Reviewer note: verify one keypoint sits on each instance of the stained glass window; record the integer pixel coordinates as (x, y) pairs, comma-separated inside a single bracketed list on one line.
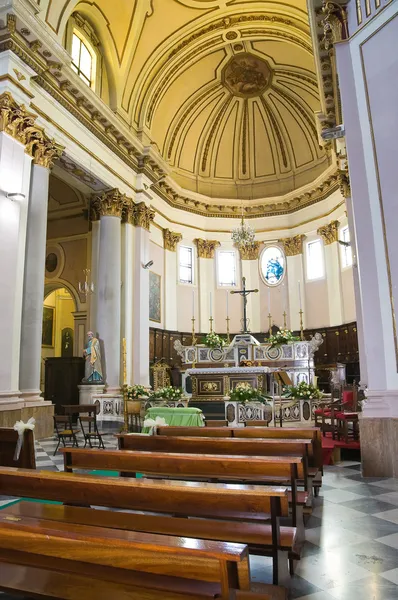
[(272, 265)]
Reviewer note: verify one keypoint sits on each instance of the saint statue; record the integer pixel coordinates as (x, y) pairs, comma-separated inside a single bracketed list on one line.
[(92, 354)]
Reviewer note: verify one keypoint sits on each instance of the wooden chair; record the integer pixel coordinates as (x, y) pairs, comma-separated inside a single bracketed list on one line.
[(134, 409), (65, 431), (8, 444), (215, 423), (348, 414)]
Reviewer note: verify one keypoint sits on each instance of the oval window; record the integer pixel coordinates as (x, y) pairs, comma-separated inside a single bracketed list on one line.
[(272, 265)]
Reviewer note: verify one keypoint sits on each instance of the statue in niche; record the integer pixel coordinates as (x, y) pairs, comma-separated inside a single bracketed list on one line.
[(67, 342), (92, 355)]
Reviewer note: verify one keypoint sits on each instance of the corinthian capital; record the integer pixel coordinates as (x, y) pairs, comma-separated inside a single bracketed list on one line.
[(171, 239), (344, 183), (143, 215), (129, 211), (43, 150), (329, 233), (110, 203), (14, 119), (206, 248), (294, 245), (250, 252)]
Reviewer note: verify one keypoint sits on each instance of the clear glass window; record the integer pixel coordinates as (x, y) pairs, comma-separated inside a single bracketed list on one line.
[(226, 268), (346, 251), (82, 60), (186, 264), (315, 261)]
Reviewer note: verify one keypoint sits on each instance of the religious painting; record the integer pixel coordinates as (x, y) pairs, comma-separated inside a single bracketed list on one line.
[(155, 311), (67, 342), (48, 333), (272, 265)]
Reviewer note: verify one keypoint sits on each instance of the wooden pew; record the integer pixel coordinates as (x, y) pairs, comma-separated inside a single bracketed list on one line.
[(195, 431), (215, 468), (151, 561), (8, 444), (209, 502)]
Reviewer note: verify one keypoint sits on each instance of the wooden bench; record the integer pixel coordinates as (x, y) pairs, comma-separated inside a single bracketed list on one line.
[(213, 468), (221, 509), (8, 444), (152, 562), (195, 431)]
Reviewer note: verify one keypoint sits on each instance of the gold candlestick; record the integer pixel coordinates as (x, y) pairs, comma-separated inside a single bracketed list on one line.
[(125, 387), (194, 338), (211, 324), (228, 336), (301, 324), (270, 324), (284, 320)]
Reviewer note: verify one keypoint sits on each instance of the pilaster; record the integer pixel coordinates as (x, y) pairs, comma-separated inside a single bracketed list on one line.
[(206, 281), (170, 240), (249, 266), (330, 234), (293, 248), (127, 290)]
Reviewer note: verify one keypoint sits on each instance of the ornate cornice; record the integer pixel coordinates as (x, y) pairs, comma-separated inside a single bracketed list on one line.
[(206, 248), (110, 203), (335, 23), (344, 183), (250, 252), (294, 245), (171, 239), (329, 233), (143, 215)]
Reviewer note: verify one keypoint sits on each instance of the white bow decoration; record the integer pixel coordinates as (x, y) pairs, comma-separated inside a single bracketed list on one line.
[(21, 427), (154, 424)]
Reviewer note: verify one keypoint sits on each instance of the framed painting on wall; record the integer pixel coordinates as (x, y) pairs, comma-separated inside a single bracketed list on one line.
[(48, 333), (155, 310)]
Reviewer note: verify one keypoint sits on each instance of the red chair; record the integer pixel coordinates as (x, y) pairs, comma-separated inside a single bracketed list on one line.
[(325, 417), (348, 414)]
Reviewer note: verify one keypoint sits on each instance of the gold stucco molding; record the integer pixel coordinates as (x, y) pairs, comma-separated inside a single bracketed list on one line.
[(171, 239), (143, 215), (344, 183), (329, 233), (293, 245), (250, 252), (206, 248), (19, 123), (109, 204)]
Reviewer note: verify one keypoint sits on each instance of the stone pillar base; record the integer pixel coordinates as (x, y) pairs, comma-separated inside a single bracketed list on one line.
[(42, 411), (86, 392), (379, 446)]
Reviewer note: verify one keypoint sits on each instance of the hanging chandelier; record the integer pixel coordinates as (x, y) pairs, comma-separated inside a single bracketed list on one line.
[(243, 236), (86, 287)]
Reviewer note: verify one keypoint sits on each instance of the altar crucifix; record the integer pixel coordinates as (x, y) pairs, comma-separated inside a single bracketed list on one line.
[(244, 293)]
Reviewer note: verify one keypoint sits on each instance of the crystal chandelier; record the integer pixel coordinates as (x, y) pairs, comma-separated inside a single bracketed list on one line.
[(86, 287), (243, 236)]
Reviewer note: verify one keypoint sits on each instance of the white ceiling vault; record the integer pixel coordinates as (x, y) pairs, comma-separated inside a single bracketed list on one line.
[(225, 90)]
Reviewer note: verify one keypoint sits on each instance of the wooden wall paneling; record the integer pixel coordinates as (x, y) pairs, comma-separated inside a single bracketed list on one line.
[(158, 344), (151, 345)]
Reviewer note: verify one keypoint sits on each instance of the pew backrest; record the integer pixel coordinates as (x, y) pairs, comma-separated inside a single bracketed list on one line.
[(174, 430), (8, 444)]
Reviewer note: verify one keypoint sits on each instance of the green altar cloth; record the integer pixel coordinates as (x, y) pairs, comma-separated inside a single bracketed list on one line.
[(186, 417)]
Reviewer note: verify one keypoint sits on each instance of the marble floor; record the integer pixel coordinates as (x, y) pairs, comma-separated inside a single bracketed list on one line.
[(351, 548)]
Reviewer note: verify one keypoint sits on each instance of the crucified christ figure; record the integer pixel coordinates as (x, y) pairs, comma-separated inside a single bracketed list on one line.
[(244, 293)]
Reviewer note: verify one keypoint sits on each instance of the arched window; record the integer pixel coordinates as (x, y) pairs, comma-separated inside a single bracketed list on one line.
[(83, 46)]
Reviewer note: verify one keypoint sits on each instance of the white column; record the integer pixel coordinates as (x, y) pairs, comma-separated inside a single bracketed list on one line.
[(295, 274), (127, 293), (250, 271), (32, 311), (110, 206), (95, 236), (206, 282), (141, 307), (15, 168), (329, 234), (171, 240)]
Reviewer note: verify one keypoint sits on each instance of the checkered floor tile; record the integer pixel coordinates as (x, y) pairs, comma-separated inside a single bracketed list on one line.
[(351, 547)]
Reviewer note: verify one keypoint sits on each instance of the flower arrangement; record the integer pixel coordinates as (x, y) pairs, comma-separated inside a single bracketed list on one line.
[(283, 336), (244, 392), (214, 341), (168, 393), (303, 390), (138, 391)]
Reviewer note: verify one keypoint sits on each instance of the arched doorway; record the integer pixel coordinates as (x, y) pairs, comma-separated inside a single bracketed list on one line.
[(58, 335)]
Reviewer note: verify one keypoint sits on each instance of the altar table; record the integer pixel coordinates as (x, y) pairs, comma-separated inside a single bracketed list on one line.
[(186, 417)]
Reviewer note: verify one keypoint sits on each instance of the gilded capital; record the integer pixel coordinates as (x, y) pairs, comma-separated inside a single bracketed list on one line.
[(250, 252), (294, 245), (128, 211), (16, 120), (111, 203), (143, 215), (44, 151), (329, 233), (206, 248), (94, 208), (344, 183), (171, 239)]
